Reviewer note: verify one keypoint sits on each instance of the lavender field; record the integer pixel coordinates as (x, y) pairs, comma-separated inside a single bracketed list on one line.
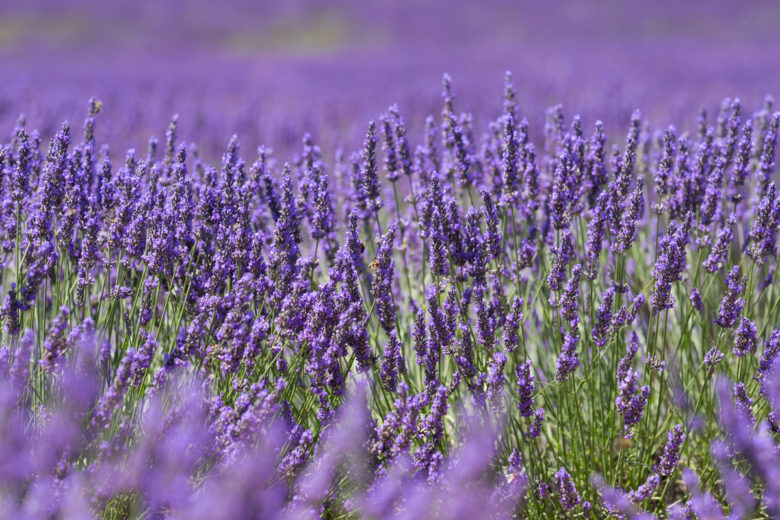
[(334, 260)]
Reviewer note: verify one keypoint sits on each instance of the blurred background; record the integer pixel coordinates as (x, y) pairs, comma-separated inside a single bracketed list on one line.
[(269, 71)]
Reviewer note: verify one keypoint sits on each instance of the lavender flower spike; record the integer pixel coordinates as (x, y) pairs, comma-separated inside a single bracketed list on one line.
[(567, 492), (671, 456)]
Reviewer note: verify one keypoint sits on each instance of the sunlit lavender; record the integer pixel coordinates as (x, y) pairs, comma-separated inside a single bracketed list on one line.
[(452, 306)]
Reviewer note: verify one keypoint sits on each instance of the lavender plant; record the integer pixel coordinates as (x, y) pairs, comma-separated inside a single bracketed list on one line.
[(452, 328)]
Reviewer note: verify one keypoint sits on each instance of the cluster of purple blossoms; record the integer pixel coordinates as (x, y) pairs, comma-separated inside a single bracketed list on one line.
[(745, 342), (696, 299), (670, 265), (720, 249), (731, 305), (713, 357), (644, 491), (567, 492), (525, 389), (671, 455), (603, 318), (568, 361), (396, 332), (771, 352), (631, 399)]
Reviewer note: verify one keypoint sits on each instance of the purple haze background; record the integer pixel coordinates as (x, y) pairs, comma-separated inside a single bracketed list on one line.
[(271, 70)]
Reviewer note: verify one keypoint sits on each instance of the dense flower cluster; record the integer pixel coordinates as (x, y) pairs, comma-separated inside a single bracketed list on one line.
[(455, 328)]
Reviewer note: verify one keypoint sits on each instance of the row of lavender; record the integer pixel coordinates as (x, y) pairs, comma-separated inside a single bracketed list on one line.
[(458, 327)]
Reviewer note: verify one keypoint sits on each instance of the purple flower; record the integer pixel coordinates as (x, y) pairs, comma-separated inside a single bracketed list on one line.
[(567, 360), (429, 153), (737, 487), (731, 304), (510, 93), (401, 143), (517, 481), (143, 358), (535, 429), (426, 457), (626, 166), (596, 228), (322, 221), (771, 351), (631, 400), (644, 491), (113, 397), (42, 263), (509, 178), (617, 502), (766, 164), (543, 490), (23, 163), (567, 492), (10, 312), (512, 324), (389, 147), (439, 260), (762, 240), (486, 322), (525, 388), (713, 192), (20, 368), (744, 403), (284, 248), (742, 163), (719, 253), (493, 236), (596, 163), (382, 282), (393, 362), (745, 341), (696, 299), (713, 357), (563, 254), (630, 314), (663, 176), (301, 442), (671, 456), (496, 377), (561, 197), (402, 419), (670, 265), (753, 446), (625, 237), (457, 137), (624, 372), (569, 299), (603, 318), (475, 246), (56, 341), (635, 410), (531, 178)]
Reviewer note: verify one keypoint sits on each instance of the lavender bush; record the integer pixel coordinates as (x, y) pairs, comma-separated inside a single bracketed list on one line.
[(533, 323), (417, 299)]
